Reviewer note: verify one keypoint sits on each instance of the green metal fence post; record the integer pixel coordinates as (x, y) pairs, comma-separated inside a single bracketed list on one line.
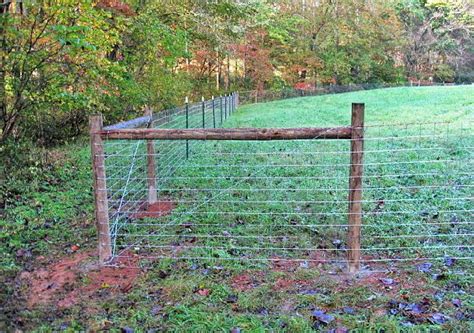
[(187, 124), (225, 106), (220, 100), (203, 112), (213, 113)]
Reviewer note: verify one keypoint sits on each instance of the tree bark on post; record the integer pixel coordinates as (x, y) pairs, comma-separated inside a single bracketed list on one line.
[(100, 189), (150, 164), (355, 187)]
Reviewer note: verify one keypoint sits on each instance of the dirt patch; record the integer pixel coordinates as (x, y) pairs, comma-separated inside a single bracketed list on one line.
[(78, 277), (285, 284), (157, 209), (247, 281), (284, 265), (315, 259)]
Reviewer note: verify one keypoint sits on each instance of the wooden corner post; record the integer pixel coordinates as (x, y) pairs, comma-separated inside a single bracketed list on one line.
[(355, 186), (100, 189), (150, 164)]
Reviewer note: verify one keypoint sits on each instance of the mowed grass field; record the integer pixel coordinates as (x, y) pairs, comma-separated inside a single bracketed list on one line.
[(259, 228)]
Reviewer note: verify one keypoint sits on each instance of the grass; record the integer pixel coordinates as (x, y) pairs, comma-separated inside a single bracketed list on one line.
[(56, 213)]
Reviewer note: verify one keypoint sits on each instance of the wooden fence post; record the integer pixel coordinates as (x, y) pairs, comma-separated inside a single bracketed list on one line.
[(150, 165), (100, 189), (355, 186)]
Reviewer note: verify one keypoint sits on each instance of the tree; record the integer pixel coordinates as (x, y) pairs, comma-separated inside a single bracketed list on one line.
[(439, 35), (51, 58)]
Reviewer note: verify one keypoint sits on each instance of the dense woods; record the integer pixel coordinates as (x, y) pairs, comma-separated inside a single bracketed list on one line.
[(63, 60)]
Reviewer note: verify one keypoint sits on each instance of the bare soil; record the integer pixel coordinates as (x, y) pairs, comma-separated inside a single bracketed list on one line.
[(77, 277), (157, 209)]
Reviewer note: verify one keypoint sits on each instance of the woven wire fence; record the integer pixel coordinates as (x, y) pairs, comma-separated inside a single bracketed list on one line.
[(257, 202), (126, 162)]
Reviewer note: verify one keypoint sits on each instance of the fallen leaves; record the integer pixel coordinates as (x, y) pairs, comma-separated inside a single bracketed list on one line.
[(75, 248), (320, 316), (425, 267), (203, 292), (387, 281), (439, 318)]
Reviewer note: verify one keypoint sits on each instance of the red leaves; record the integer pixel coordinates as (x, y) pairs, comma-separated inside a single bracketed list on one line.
[(75, 247), (203, 292), (116, 6)]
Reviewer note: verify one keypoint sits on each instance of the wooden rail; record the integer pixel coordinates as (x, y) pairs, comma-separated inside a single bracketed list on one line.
[(258, 134)]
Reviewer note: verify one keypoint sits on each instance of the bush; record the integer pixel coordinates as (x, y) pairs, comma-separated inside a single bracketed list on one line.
[(444, 73)]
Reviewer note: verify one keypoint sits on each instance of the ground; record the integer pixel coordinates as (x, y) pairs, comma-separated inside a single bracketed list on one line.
[(51, 281)]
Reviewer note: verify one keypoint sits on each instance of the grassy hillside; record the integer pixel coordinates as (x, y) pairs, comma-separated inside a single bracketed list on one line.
[(407, 104), (53, 217)]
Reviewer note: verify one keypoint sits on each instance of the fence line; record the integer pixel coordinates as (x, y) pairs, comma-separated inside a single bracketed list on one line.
[(269, 201)]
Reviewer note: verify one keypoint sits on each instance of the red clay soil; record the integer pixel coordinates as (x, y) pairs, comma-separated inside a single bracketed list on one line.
[(247, 281), (156, 209), (283, 284), (77, 277)]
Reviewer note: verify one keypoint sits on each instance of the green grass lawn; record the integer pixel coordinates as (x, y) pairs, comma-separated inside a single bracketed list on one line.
[(242, 203)]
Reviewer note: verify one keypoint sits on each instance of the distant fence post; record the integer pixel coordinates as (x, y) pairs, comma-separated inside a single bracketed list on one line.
[(100, 189), (213, 113), (237, 99), (187, 124), (203, 112), (220, 101), (150, 164), (355, 187)]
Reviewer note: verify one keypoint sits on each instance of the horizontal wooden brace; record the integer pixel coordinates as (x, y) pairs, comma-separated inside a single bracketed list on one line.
[(308, 133)]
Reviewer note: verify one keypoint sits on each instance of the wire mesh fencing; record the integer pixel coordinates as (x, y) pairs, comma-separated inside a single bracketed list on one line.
[(251, 202), (124, 164)]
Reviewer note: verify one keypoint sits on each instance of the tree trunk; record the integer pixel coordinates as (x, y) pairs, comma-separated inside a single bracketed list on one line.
[(3, 96), (218, 71)]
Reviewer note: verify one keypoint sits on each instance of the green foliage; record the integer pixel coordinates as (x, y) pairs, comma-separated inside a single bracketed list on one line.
[(43, 201), (64, 60), (439, 33), (444, 73)]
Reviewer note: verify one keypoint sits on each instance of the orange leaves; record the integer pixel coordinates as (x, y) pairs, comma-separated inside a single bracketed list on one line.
[(116, 6)]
